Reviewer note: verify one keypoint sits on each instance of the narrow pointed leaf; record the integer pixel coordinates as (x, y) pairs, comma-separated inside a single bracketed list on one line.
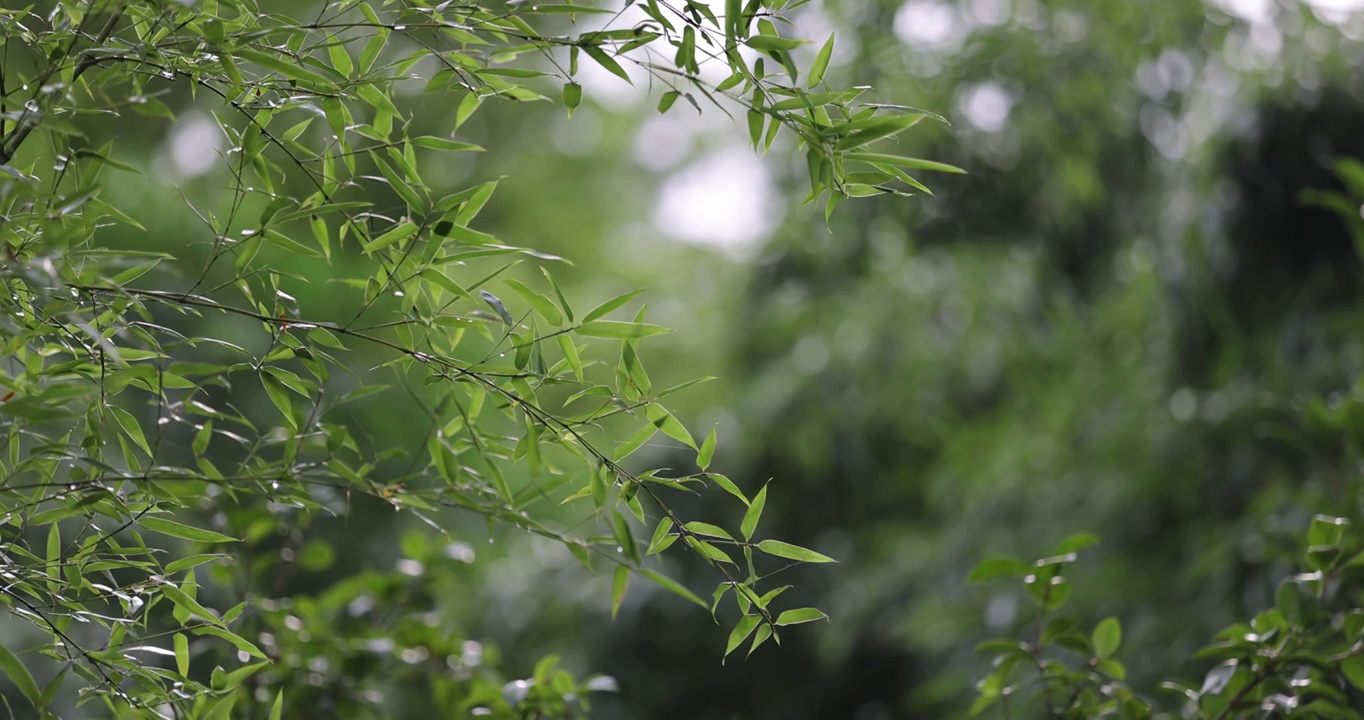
[(613, 304), (707, 451), (618, 585), (754, 514), (816, 73), (19, 675), (780, 549), (184, 532), (673, 586), (800, 615), (741, 632), (660, 533)]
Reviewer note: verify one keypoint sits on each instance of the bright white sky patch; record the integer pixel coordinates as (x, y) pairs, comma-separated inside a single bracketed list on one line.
[(986, 106), (1252, 10), (663, 141), (990, 12), (725, 199), (1337, 5), (193, 145), (1262, 11), (926, 23)]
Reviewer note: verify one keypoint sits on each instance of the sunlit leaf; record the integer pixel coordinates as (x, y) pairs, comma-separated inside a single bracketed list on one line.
[(184, 532), (801, 615), (753, 514), (792, 552)]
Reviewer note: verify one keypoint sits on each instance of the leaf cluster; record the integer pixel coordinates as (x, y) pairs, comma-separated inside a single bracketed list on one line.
[(162, 479), (1301, 658)]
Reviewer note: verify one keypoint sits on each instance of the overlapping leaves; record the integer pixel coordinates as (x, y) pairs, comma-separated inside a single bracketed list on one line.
[(132, 439)]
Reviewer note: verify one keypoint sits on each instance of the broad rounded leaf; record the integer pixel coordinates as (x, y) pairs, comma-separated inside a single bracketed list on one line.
[(1107, 637)]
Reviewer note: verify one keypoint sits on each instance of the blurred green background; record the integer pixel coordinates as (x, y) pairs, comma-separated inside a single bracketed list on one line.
[(1123, 321)]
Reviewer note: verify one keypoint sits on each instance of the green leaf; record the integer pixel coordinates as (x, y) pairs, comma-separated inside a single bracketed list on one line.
[(618, 585), (1326, 531), (816, 74), (222, 710), (133, 272), (728, 486), (665, 103), (772, 43), (707, 451), (404, 189), (741, 632), (341, 60), (131, 427), (659, 416), (193, 561), (909, 162), (764, 632), (612, 304), (20, 676), (182, 600), (559, 295), (539, 303), (1112, 668), (1107, 637), (800, 615), (754, 514), (1076, 543), (702, 528), (674, 587), (439, 143), (277, 710), (53, 687), (275, 62), (996, 568), (400, 232), (621, 530), (660, 535), (498, 306), (279, 395), (1353, 669), (633, 443), (620, 330), (607, 62), (467, 106), (780, 549), (202, 438), (1298, 604), (182, 654), (54, 548), (571, 355), (184, 532), (709, 551), (882, 127), (573, 96)]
